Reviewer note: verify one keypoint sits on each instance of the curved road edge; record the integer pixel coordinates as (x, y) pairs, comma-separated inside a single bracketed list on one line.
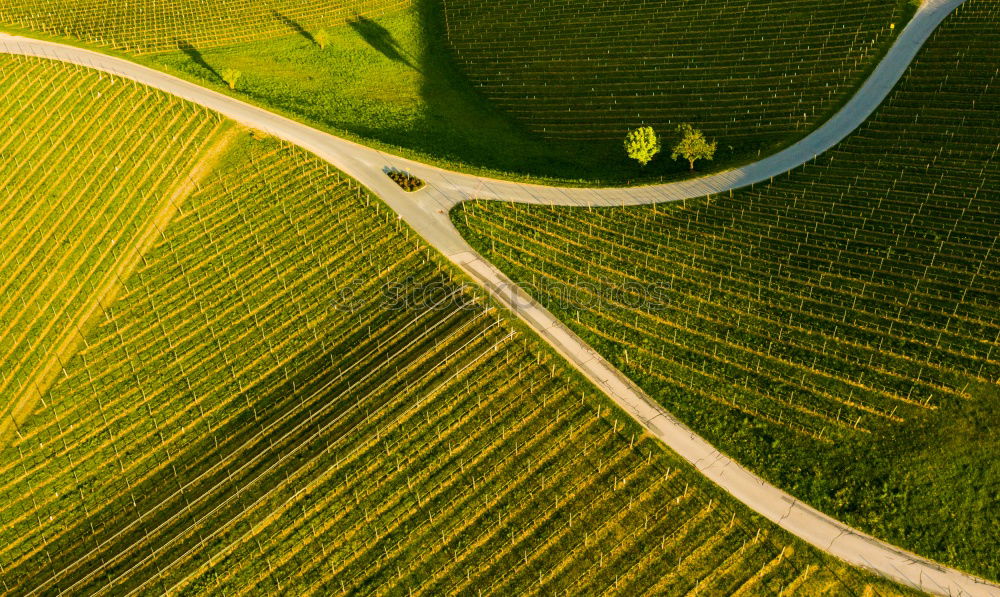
[(803, 521), (427, 213)]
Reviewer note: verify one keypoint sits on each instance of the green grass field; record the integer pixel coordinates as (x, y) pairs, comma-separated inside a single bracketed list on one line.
[(836, 329), (88, 165), (291, 393), (386, 80)]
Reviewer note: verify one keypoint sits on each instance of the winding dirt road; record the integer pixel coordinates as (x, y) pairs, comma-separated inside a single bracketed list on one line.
[(427, 213)]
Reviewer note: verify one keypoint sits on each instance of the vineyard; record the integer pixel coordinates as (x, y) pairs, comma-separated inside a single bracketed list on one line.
[(838, 328), (538, 90), (88, 169), (227, 368), (147, 26), (292, 394), (749, 73)]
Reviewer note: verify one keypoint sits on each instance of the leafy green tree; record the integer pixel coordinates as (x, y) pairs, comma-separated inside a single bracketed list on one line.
[(231, 76), (693, 145), (322, 38), (642, 145)]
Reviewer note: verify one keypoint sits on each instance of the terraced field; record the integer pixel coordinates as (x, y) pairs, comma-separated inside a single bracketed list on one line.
[(836, 329), (146, 26), (89, 165), (749, 73), (291, 394)]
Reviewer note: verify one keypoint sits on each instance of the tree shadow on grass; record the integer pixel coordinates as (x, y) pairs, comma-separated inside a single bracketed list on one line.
[(196, 57), (294, 26), (381, 39)]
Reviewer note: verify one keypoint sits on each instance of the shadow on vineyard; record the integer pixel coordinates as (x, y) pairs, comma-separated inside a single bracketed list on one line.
[(294, 26), (221, 472)]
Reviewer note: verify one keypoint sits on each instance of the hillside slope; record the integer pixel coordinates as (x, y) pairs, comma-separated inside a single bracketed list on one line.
[(750, 74), (835, 329), (90, 165), (294, 395)]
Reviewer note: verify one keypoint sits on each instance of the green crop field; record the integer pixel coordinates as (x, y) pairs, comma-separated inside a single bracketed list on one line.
[(838, 328), (290, 393), (752, 74), (88, 165), (146, 26)]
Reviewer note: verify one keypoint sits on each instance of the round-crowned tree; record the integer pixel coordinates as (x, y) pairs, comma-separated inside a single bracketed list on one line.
[(642, 145)]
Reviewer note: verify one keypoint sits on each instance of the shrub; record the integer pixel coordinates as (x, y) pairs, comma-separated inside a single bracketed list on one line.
[(406, 181), (322, 38), (231, 76)]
